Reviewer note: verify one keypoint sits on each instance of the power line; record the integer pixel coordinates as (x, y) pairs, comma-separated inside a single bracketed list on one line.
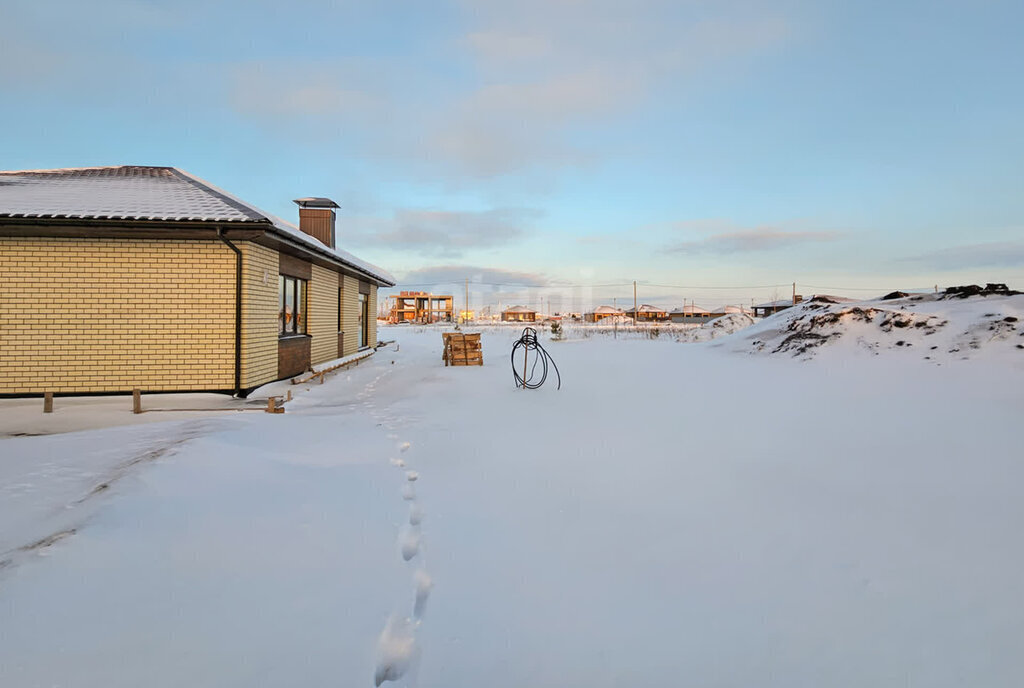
[(514, 284), (889, 288), (583, 286), (679, 286)]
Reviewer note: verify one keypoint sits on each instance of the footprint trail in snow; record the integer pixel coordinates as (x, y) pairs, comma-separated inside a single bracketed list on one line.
[(397, 649)]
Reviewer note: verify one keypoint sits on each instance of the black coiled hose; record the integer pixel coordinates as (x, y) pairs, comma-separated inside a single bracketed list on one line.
[(532, 349)]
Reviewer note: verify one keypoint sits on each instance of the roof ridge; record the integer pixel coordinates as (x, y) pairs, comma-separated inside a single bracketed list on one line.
[(233, 201), (90, 167)]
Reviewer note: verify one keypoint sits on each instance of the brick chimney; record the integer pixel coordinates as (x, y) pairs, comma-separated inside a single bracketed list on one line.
[(316, 218)]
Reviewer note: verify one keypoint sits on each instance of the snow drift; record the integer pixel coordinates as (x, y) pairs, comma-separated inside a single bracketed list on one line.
[(719, 327), (934, 327)]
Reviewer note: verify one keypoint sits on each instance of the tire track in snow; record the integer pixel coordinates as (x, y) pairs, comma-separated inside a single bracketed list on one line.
[(71, 516)]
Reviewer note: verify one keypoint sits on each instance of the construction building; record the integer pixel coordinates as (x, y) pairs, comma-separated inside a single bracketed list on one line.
[(420, 307)]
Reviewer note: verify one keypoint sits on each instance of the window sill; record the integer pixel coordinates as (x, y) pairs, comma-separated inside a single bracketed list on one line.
[(281, 337)]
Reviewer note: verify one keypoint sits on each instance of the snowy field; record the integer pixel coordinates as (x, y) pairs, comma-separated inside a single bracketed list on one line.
[(678, 514)]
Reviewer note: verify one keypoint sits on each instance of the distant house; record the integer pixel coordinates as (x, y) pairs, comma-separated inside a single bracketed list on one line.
[(830, 298), (690, 314), (117, 278), (602, 312), (648, 313), (730, 310), (762, 310), (518, 314)]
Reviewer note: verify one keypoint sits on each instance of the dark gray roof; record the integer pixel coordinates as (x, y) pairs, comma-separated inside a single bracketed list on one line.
[(117, 193)]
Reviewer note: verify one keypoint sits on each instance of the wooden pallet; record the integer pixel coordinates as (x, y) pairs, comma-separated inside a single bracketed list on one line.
[(462, 349)]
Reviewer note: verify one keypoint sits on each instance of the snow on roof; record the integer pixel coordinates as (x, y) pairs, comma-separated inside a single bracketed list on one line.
[(115, 193), (730, 309), (607, 310), (519, 309), (316, 202), (646, 308), (832, 298), (690, 310), (775, 304), (132, 192), (285, 227)]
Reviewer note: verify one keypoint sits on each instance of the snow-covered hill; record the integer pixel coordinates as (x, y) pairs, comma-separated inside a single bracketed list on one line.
[(936, 327), (719, 327)]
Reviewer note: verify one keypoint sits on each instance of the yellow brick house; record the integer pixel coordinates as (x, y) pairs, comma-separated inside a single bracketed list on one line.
[(116, 278)]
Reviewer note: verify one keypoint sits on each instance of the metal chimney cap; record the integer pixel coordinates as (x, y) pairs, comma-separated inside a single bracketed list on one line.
[(316, 202)]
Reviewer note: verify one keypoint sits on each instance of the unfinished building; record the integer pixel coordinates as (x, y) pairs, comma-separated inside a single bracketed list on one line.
[(420, 307)]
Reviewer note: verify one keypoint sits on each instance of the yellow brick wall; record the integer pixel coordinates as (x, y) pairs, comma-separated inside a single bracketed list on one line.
[(259, 314), (323, 315), (106, 315), (350, 313)]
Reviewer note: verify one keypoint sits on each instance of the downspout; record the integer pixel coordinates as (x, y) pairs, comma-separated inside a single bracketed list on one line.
[(238, 311)]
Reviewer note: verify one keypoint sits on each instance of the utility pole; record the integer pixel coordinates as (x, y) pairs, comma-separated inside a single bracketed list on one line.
[(465, 317), (615, 317), (634, 303), (794, 294)]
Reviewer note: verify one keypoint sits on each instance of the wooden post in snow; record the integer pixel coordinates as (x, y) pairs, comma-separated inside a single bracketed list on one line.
[(48, 402), (136, 401)]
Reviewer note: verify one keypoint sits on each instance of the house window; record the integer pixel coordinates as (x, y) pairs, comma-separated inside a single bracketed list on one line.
[(291, 297)]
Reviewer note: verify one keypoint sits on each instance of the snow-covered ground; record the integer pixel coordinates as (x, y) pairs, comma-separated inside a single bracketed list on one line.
[(678, 514)]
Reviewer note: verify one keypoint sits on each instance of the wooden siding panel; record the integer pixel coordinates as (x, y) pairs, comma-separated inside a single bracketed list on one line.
[(350, 314), (318, 223), (373, 315), (293, 355), (294, 267), (323, 314)]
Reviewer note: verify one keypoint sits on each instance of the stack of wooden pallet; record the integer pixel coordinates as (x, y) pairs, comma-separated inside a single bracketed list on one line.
[(462, 349)]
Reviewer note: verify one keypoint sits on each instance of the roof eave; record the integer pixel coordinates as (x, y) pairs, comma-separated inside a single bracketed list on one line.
[(326, 254)]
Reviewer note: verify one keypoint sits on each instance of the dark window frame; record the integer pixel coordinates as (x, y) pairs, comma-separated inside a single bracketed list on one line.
[(299, 323), (364, 320)]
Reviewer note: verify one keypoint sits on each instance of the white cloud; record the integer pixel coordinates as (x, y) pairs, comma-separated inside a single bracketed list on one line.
[(448, 275), (751, 240), (1006, 254), (505, 95), (442, 233)]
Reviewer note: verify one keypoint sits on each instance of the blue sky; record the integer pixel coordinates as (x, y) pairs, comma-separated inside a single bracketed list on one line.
[(714, 147)]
